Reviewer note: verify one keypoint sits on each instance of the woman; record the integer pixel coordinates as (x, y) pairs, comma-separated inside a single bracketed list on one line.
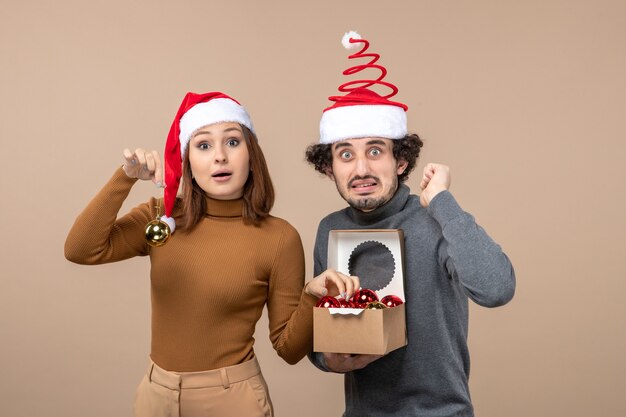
[(225, 259)]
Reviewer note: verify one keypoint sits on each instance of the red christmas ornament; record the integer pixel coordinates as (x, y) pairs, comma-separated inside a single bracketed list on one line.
[(391, 300), (328, 302), (345, 303), (364, 296)]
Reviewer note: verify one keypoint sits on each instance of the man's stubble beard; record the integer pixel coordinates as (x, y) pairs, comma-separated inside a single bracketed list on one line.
[(367, 203)]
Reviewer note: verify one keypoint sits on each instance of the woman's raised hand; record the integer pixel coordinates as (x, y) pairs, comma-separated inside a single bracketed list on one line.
[(144, 165)]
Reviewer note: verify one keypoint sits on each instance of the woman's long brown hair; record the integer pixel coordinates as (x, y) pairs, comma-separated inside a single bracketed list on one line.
[(258, 191)]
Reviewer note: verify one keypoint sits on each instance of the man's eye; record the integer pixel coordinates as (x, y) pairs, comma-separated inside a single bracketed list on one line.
[(346, 155), (375, 152)]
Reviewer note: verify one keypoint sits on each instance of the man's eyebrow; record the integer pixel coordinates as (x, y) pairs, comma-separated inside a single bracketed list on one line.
[(342, 145), (376, 142)]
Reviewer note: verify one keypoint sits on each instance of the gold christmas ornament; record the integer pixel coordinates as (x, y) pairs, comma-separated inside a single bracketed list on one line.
[(157, 231), (375, 305)]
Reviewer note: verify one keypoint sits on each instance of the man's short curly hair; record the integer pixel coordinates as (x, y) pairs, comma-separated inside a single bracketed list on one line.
[(406, 149)]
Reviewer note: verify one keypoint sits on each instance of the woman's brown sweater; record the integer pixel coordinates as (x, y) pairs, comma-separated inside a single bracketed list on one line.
[(208, 286)]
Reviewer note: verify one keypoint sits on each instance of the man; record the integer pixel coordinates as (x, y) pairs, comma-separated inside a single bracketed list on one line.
[(367, 152)]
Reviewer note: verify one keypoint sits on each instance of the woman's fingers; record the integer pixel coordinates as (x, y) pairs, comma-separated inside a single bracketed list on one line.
[(128, 156), (130, 163), (158, 169), (317, 287), (150, 164), (143, 165), (140, 155), (351, 284), (335, 283)]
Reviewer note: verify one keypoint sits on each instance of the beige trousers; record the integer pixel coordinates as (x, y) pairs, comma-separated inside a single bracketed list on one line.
[(234, 391)]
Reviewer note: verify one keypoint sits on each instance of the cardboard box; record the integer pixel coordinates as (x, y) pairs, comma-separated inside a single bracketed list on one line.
[(376, 256)]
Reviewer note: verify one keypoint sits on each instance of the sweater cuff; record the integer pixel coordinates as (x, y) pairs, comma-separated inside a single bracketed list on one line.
[(307, 300), (444, 208)]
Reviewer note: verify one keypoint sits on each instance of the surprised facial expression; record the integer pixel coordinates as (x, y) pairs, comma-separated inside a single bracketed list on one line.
[(365, 171), (219, 160)]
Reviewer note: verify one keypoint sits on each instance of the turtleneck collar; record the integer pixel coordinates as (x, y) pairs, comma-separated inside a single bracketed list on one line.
[(224, 208), (391, 207)]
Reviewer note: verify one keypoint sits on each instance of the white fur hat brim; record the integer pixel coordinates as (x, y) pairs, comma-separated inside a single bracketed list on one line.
[(362, 121), (218, 110)]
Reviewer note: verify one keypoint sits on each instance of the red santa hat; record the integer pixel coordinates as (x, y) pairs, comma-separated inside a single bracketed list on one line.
[(363, 113), (196, 111)]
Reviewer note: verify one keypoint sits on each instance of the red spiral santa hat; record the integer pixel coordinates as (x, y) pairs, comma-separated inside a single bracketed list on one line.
[(363, 113), (196, 111)]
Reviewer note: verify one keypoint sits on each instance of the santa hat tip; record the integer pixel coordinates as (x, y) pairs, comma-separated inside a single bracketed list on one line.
[(345, 41), (170, 222)]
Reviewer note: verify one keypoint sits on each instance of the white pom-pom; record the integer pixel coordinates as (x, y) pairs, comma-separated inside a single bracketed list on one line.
[(345, 41), (170, 222)]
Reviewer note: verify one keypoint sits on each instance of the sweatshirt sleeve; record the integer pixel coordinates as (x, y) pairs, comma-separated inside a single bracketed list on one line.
[(470, 256), (290, 309), (98, 237)]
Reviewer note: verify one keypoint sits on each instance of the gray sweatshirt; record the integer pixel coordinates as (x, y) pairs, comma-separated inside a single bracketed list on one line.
[(447, 258)]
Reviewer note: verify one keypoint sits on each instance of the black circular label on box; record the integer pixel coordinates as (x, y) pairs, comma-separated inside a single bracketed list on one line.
[(373, 263)]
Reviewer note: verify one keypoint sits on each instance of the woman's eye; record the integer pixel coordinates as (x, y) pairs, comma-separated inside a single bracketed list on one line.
[(233, 142), (203, 146)]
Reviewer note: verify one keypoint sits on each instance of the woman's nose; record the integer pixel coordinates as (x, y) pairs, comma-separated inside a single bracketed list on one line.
[(220, 155)]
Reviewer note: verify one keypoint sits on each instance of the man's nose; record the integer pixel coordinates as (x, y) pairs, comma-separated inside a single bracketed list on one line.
[(362, 167)]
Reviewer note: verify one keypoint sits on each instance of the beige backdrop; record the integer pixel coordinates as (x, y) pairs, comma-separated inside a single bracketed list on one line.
[(525, 100)]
